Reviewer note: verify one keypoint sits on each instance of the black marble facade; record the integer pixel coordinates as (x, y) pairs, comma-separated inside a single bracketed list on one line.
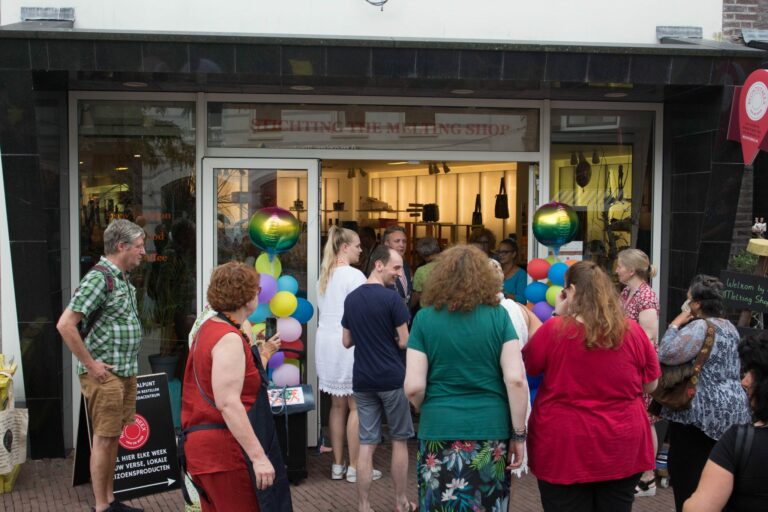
[(33, 144)]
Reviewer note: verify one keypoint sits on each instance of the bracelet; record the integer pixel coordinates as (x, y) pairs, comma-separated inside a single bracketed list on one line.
[(518, 438)]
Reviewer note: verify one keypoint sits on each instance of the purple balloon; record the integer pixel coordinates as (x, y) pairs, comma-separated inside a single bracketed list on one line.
[(276, 360), (268, 288), (543, 311)]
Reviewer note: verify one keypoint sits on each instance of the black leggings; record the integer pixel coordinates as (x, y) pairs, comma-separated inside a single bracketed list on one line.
[(689, 450), (606, 496)]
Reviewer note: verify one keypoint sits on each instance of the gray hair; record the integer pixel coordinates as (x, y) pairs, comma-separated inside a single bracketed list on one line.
[(390, 230), (120, 230), (427, 247)]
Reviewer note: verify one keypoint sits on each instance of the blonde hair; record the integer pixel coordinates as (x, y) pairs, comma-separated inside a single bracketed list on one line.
[(336, 238), (638, 261), (461, 280), (597, 303)]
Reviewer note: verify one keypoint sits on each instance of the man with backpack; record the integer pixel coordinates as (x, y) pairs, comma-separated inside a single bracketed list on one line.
[(107, 346)]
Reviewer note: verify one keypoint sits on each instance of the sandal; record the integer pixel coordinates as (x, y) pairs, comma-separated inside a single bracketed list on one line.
[(645, 488)]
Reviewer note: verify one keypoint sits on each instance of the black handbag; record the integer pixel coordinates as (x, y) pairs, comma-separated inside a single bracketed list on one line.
[(477, 215), (501, 210), (430, 212)]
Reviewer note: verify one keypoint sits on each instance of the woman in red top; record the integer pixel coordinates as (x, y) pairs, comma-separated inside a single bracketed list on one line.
[(589, 439), (221, 383)]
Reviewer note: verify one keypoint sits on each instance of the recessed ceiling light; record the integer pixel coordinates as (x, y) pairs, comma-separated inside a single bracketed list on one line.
[(137, 156), (615, 94), (397, 163), (302, 88), (462, 91), (135, 84), (121, 168), (81, 163)]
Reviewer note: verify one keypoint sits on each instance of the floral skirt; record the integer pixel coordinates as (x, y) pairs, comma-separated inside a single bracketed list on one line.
[(463, 475)]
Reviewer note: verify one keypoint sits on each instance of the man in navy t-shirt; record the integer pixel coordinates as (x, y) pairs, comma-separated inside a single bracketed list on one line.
[(375, 322)]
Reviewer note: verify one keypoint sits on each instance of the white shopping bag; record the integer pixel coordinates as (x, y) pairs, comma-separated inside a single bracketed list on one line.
[(13, 432)]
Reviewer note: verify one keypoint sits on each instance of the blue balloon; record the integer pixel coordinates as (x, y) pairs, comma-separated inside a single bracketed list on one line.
[(536, 292), (556, 273), (304, 311), (261, 314), (288, 284)]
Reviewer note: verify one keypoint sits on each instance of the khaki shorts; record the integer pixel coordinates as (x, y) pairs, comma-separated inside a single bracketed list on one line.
[(111, 404)]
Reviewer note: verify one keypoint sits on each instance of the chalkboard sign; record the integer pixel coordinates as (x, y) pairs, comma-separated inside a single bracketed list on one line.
[(745, 291), (146, 457)]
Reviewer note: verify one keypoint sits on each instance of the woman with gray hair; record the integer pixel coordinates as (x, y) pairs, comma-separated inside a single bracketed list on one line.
[(428, 248)]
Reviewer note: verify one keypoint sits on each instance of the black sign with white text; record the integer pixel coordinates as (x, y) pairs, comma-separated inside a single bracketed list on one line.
[(745, 291), (146, 458)]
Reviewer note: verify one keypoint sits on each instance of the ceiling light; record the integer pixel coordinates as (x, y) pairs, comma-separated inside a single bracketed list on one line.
[(398, 163), (462, 91), (351, 173), (302, 88), (363, 174), (573, 158), (121, 168), (137, 156), (446, 169), (135, 84), (81, 162), (595, 157), (615, 94)]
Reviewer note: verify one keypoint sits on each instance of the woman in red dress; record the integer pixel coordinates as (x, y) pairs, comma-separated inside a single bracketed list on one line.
[(221, 382), (589, 439)]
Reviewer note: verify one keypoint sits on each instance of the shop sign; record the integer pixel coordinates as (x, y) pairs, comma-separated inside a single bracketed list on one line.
[(146, 457), (745, 291), (752, 104)]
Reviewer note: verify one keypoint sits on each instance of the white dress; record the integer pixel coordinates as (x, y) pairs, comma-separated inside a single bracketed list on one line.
[(517, 317), (332, 360)]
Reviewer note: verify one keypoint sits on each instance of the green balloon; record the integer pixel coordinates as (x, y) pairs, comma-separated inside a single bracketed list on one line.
[(274, 230), (555, 224)]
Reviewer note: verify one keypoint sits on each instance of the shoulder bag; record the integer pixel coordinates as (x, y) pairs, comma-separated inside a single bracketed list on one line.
[(477, 215), (501, 210), (677, 384)]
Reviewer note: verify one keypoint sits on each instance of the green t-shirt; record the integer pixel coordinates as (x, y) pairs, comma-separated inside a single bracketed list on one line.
[(465, 397)]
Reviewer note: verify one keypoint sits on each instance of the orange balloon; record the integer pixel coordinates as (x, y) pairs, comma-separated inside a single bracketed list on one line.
[(570, 262)]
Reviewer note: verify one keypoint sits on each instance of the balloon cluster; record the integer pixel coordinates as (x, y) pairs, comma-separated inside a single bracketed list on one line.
[(554, 225), (275, 230)]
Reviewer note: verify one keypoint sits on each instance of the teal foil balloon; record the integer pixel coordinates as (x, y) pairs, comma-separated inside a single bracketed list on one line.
[(555, 224), (274, 230)]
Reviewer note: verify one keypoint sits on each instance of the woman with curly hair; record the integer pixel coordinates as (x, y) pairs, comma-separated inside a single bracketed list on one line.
[(735, 474), (719, 401), (465, 373), (230, 444), (590, 438)]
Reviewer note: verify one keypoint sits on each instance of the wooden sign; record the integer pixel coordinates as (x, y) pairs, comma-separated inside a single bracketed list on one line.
[(745, 291)]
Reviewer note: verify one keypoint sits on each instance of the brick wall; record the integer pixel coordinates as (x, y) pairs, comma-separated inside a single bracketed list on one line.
[(739, 14)]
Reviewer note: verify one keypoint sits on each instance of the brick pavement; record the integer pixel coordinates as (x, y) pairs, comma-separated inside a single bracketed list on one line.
[(46, 485)]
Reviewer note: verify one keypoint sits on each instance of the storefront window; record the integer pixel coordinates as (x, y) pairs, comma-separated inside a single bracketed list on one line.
[(372, 127), (602, 165), (136, 161)]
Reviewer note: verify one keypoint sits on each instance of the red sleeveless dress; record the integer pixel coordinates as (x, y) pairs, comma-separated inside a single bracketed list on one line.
[(215, 450)]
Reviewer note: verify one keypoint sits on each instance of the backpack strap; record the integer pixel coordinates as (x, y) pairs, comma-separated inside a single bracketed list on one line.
[(89, 322)]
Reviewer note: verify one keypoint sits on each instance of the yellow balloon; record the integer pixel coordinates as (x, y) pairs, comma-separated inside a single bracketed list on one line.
[(294, 362), (283, 304), (551, 258), (258, 328), (264, 266)]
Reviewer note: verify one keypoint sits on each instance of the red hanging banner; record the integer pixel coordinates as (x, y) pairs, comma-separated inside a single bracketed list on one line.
[(753, 115)]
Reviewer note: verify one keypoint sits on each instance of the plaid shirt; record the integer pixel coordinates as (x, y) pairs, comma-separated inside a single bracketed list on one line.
[(116, 337)]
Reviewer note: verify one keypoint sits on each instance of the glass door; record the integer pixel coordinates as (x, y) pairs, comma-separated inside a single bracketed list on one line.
[(233, 191)]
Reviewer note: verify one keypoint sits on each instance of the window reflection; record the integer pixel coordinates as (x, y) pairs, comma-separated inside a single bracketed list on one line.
[(136, 161)]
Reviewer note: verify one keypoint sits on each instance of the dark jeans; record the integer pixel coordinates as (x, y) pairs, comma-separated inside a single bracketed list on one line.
[(689, 450), (606, 496)]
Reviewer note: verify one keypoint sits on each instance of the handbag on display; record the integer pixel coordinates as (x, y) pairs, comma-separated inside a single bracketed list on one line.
[(501, 210), (477, 215), (677, 384), (13, 431)]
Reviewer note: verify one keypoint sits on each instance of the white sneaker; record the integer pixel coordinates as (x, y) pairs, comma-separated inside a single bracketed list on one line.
[(337, 471), (352, 475)]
